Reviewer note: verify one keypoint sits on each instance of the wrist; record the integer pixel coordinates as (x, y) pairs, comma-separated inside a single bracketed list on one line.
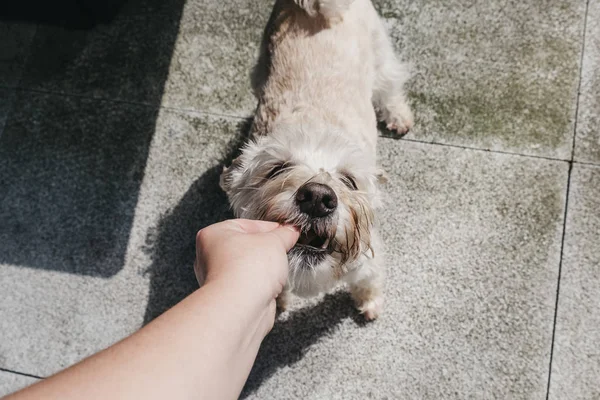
[(249, 293), (239, 305)]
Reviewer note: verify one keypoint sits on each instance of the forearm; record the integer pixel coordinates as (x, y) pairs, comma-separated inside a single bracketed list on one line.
[(203, 347)]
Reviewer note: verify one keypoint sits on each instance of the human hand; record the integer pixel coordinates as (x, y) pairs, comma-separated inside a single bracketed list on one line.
[(247, 256)]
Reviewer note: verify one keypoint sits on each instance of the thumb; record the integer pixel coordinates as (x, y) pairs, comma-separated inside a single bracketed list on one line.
[(287, 234)]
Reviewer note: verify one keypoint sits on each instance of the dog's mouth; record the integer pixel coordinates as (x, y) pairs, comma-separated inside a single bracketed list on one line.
[(313, 241)]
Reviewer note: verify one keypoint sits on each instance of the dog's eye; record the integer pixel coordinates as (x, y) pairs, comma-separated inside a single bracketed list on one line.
[(276, 170), (349, 181)]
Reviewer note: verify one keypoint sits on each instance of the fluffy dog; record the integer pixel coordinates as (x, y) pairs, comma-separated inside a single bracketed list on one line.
[(326, 71)]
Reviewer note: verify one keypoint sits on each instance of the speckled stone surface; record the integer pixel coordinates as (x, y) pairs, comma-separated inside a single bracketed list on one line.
[(576, 361), (216, 49), (15, 39), (11, 382), (116, 136), (587, 146), (493, 75)]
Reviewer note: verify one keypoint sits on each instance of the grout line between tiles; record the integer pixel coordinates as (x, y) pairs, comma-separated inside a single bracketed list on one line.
[(211, 113), (127, 102), (238, 117), (581, 60), (560, 265), (457, 146), (10, 371), (587, 163), (569, 175)]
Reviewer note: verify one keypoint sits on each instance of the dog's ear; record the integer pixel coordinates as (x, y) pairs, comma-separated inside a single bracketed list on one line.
[(228, 174), (382, 176)]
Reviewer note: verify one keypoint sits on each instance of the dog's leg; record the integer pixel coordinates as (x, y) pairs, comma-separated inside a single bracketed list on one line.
[(368, 291), (390, 75), (367, 281)]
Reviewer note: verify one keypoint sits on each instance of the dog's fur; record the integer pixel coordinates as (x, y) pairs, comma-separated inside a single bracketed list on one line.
[(326, 70)]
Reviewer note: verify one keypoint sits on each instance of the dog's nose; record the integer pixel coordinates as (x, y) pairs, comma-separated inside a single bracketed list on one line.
[(316, 199)]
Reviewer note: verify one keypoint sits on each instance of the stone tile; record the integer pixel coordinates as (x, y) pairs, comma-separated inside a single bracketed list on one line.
[(194, 57), (11, 382), (473, 246), (493, 75), (70, 171), (50, 319), (215, 52), (587, 146), (15, 39), (576, 360), (127, 59)]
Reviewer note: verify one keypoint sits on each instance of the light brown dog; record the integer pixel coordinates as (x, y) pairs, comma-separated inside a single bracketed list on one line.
[(327, 71)]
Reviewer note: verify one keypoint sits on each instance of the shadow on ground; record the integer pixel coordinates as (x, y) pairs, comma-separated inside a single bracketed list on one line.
[(171, 244), (291, 338), (71, 166), (67, 13)]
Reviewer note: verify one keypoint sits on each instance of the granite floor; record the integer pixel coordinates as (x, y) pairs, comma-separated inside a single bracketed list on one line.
[(111, 142)]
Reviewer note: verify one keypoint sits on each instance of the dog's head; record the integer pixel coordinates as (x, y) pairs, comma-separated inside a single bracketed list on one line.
[(320, 182)]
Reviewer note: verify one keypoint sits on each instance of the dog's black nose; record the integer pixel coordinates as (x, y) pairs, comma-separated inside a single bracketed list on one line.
[(316, 199)]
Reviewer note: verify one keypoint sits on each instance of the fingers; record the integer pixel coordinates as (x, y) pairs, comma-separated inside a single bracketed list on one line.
[(287, 234), (256, 226), (252, 226)]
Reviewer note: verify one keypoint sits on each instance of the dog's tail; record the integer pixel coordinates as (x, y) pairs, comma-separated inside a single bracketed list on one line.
[(331, 10)]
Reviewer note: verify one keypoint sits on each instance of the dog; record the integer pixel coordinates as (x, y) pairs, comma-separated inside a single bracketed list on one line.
[(326, 73)]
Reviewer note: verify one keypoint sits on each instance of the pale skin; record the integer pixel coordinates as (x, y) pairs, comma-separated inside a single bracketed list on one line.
[(204, 347)]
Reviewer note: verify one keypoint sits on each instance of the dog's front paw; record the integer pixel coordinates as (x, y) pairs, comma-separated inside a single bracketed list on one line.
[(368, 299), (371, 308), (399, 119)]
